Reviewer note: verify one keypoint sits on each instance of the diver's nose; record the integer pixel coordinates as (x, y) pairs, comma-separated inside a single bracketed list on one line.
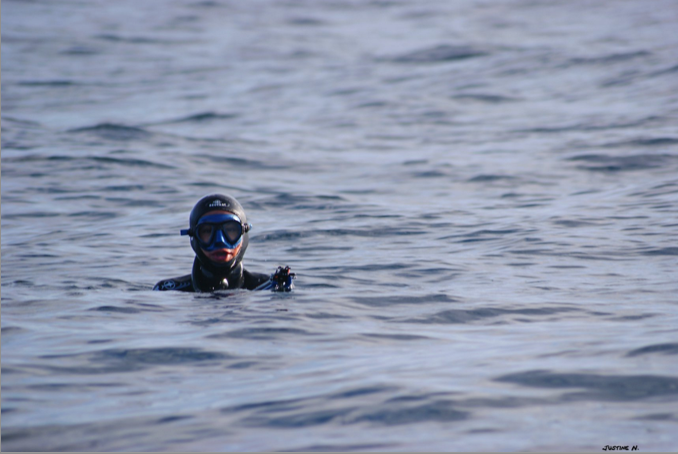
[(219, 239)]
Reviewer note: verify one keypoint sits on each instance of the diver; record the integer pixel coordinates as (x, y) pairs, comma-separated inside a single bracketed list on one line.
[(218, 229)]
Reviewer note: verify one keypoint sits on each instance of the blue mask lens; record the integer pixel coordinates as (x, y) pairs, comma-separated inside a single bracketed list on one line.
[(219, 231)]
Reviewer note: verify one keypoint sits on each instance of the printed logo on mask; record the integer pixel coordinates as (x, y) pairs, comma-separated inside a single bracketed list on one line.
[(217, 203)]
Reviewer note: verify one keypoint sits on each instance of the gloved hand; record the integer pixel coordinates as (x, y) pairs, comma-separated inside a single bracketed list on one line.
[(282, 279)]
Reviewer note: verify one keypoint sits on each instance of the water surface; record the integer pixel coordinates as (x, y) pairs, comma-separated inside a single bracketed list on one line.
[(480, 200)]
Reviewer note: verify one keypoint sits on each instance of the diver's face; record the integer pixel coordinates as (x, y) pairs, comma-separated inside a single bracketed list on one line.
[(221, 255)]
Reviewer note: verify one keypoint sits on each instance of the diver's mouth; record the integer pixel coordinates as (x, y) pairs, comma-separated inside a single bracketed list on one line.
[(221, 255)]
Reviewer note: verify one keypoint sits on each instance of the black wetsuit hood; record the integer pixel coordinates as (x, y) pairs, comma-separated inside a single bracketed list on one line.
[(207, 275)]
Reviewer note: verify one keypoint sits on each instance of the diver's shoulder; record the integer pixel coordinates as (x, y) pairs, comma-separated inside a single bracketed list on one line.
[(181, 283), (254, 280)]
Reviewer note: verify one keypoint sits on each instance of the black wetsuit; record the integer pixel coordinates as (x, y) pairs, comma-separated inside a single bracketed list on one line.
[(201, 280)]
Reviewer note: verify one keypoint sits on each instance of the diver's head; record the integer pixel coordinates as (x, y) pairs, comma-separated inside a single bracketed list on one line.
[(218, 229)]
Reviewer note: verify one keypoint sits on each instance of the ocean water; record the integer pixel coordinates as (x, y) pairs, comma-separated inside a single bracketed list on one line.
[(479, 198)]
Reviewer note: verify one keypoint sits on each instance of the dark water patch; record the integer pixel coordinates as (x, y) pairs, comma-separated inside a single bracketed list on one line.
[(40, 214), (360, 392), (289, 200), (244, 365), (598, 387), (269, 406), (296, 420), (19, 121), (500, 402), (60, 387), (487, 98), (287, 235), (395, 415), (207, 4), (590, 126), (48, 83), (632, 318), (242, 163), (393, 300), (462, 316), (644, 142), (490, 178), (305, 21), (122, 310), (130, 360), (439, 54), (573, 223), (566, 267), (344, 448), (630, 76), (125, 188), (98, 215), (662, 251), (669, 70), (371, 104), (607, 59), (203, 117), (664, 349), (173, 418), (430, 174), (80, 51), (345, 91), (128, 162), (262, 333), (134, 39), (658, 417), (7, 330), (483, 233), (113, 131), (160, 356), (325, 315), (611, 164), (396, 337)]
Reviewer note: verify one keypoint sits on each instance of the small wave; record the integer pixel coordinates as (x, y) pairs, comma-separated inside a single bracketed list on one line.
[(130, 360), (440, 53), (606, 163), (392, 415), (460, 316), (396, 337), (664, 349), (202, 117), (645, 142), (599, 387), (113, 131), (123, 310), (590, 126), (607, 59), (47, 83), (130, 162), (392, 300), (484, 97), (377, 447), (80, 51), (669, 70), (262, 333), (305, 21), (486, 178), (662, 251), (134, 39)]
